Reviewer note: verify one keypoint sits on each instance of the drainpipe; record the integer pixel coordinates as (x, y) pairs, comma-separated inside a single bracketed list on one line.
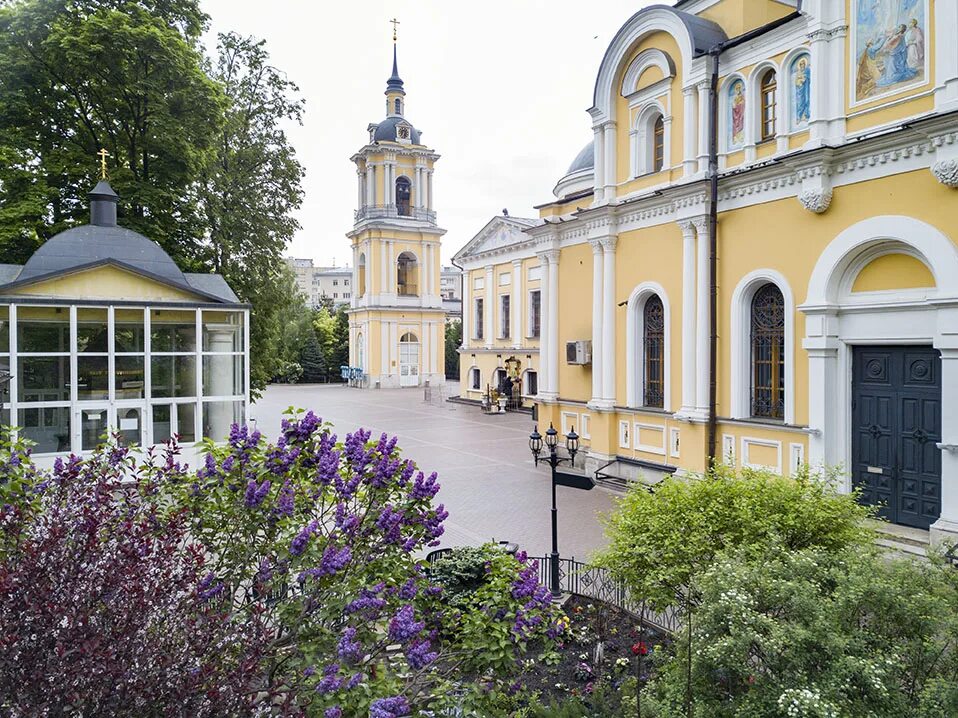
[(714, 55)]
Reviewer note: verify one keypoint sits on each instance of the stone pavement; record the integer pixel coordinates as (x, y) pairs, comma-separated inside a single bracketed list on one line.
[(490, 485)]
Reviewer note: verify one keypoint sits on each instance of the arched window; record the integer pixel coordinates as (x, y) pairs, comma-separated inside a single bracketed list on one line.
[(398, 106), (767, 90), (768, 353), (406, 275), (361, 351), (658, 144), (361, 275), (653, 351), (403, 193)]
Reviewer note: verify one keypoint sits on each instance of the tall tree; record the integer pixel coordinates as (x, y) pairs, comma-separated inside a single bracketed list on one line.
[(248, 194), (122, 75), (453, 341)]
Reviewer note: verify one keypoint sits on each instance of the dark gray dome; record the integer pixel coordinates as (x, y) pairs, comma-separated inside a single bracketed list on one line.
[(585, 160), (91, 243), (386, 131)]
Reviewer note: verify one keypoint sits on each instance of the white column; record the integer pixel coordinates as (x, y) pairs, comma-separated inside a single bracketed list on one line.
[(608, 320), (598, 148), (370, 185), (360, 189), (948, 521), (466, 307), (553, 356), (702, 319), (544, 299), (392, 282), (518, 302), (429, 188), (598, 299), (610, 165), (818, 122), (417, 190), (689, 140), (688, 318), (491, 308), (702, 118)]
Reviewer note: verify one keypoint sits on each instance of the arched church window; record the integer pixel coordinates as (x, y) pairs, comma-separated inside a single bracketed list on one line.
[(658, 144), (769, 87), (403, 194), (398, 106), (768, 352), (361, 271), (653, 350)]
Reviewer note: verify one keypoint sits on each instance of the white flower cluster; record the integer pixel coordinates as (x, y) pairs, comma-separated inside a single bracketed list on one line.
[(806, 703)]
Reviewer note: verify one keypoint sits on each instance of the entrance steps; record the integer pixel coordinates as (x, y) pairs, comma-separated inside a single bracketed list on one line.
[(898, 541)]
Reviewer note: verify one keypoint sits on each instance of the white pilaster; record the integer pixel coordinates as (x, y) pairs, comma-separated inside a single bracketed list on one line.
[(689, 162), (948, 520), (702, 318), (429, 189), (598, 149), (702, 118), (360, 189), (610, 165), (371, 185), (608, 320), (491, 308), (384, 264), (554, 323), (946, 55), (598, 299), (544, 367), (517, 303), (466, 308), (688, 318)]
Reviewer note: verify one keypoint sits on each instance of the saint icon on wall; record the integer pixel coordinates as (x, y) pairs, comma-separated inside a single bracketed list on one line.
[(801, 74), (890, 38), (736, 97)]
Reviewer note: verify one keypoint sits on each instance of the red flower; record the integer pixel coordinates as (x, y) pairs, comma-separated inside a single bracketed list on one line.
[(640, 649)]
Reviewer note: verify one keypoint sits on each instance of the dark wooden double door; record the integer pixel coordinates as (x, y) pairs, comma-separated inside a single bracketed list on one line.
[(896, 426)]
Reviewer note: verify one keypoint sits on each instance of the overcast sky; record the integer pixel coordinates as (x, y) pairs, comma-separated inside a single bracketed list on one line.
[(500, 89)]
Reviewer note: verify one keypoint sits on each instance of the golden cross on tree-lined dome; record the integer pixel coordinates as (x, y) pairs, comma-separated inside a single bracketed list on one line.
[(103, 154), (395, 22)]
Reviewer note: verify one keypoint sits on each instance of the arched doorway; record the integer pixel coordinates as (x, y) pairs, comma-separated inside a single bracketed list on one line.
[(409, 360)]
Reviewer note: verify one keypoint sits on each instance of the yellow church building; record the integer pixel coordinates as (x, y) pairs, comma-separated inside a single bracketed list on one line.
[(755, 260), (396, 317)]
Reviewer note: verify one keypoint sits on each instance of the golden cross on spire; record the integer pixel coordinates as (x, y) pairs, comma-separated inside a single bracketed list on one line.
[(395, 22), (103, 154)]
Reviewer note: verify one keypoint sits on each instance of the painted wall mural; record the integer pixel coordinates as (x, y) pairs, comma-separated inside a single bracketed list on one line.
[(800, 72), (736, 110), (890, 37)]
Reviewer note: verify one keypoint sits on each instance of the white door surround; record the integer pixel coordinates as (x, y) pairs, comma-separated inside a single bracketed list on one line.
[(836, 321)]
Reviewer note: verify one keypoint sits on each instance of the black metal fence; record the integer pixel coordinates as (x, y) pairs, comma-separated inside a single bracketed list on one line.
[(581, 579)]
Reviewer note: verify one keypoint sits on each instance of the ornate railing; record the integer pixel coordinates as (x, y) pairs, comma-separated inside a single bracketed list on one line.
[(581, 579)]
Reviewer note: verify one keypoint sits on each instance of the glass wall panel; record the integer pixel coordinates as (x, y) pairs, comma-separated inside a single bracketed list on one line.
[(93, 427), (43, 330), (92, 330), (172, 330), (43, 378), (4, 329), (48, 428), (219, 416), (130, 377), (93, 377), (222, 331), (173, 376), (129, 430), (186, 422), (162, 423), (128, 330), (223, 375)]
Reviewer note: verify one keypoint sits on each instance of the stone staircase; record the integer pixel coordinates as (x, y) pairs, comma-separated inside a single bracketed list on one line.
[(900, 541)]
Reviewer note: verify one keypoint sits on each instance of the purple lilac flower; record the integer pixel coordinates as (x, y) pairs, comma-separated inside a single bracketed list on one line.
[(334, 560), (333, 712), (368, 603), (409, 590), (209, 588), (419, 655), (285, 504), (404, 626), (395, 707), (330, 682), (348, 648), (424, 488), (299, 543)]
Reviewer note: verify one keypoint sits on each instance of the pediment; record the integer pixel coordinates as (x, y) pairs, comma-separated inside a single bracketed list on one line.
[(499, 233)]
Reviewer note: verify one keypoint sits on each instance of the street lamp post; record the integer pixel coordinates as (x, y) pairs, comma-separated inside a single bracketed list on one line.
[(554, 460)]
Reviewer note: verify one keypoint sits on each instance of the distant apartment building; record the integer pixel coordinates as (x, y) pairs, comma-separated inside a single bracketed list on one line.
[(320, 284), (450, 283)]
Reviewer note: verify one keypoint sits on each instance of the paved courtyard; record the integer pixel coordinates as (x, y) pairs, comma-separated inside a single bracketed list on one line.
[(490, 485)]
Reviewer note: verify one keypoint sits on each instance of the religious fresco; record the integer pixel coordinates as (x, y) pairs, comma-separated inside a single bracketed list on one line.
[(890, 37), (736, 114), (800, 74)]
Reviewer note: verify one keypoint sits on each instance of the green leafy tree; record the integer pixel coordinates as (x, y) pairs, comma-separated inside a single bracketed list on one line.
[(126, 76), (818, 633), (248, 192), (340, 348), (453, 341)]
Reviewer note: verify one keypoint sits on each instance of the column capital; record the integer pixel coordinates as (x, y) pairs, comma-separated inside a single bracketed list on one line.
[(548, 256), (596, 246), (687, 227), (690, 91), (701, 225), (609, 242), (517, 263)]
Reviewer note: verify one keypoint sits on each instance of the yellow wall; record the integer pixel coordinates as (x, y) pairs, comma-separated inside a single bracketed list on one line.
[(893, 271), (107, 282), (739, 16), (575, 312)]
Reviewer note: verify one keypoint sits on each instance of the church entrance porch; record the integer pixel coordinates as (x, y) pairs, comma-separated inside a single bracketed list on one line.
[(896, 427)]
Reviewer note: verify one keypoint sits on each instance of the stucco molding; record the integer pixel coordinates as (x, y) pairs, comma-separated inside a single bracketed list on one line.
[(946, 172), (816, 200)]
